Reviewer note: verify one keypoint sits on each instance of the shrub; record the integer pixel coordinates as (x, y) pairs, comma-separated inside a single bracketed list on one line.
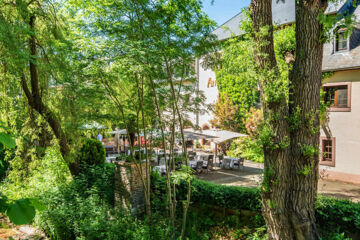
[(46, 174), (81, 210), (237, 198), (247, 148), (92, 152), (342, 216), (4, 164)]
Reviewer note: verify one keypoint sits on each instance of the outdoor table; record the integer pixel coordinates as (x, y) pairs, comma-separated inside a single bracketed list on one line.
[(230, 161), (202, 157), (192, 164)]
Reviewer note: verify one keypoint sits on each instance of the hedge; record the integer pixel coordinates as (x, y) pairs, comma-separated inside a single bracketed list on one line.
[(332, 213)]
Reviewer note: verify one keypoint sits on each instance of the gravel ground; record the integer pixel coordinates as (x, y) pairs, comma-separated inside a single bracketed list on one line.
[(251, 176), (23, 232)]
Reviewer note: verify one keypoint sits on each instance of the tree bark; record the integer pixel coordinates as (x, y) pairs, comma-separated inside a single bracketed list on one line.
[(36, 103), (290, 173)]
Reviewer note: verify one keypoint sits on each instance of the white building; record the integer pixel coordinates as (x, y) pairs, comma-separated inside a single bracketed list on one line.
[(340, 141)]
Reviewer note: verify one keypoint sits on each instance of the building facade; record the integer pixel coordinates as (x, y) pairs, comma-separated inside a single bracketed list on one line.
[(340, 136)]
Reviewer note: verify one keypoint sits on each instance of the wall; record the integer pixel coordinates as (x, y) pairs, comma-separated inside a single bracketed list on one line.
[(345, 127), (129, 189), (211, 95)]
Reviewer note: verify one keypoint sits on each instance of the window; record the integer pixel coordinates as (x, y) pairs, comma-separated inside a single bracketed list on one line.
[(338, 96), (341, 40), (211, 83), (327, 153)]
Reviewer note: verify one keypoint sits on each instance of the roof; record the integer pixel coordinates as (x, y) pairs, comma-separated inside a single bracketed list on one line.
[(284, 13), (345, 59)]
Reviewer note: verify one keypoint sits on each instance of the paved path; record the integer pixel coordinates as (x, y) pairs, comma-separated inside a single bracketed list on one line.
[(252, 174)]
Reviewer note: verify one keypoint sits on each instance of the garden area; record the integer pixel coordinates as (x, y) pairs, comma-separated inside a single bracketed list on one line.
[(99, 137)]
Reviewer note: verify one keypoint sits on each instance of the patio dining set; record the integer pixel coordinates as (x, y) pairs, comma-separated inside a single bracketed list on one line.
[(202, 163)]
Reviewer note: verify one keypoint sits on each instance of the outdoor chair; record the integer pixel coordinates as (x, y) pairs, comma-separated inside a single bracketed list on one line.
[(199, 165), (226, 163), (192, 157), (221, 159), (211, 162), (239, 163), (208, 165)]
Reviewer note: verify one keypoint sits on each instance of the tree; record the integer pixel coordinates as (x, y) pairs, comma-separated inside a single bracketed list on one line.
[(291, 138), (148, 47), (30, 37), (236, 76), (226, 114)]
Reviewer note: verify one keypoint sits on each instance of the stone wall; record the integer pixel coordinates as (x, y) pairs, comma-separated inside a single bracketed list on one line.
[(129, 189)]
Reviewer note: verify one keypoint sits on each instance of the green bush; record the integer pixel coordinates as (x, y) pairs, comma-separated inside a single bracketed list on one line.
[(4, 164), (83, 209), (45, 174), (247, 148), (237, 198), (342, 216), (92, 152)]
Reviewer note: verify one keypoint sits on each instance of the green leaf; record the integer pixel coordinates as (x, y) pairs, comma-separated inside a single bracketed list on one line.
[(6, 140), (21, 212)]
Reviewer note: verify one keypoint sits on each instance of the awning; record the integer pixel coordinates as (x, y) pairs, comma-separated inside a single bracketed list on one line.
[(192, 135), (223, 135)]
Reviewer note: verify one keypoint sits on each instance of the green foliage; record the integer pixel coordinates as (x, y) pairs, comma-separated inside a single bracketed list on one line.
[(307, 169), (6, 140), (247, 148), (21, 212), (268, 180), (309, 151), (216, 195), (83, 209), (236, 80), (237, 76), (206, 223), (333, 213), (4, 164), (92, 152), (44, 174), (341, 216)]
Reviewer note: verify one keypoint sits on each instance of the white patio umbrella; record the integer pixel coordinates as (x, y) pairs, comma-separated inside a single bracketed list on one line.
[(223, 135), (192, 135)]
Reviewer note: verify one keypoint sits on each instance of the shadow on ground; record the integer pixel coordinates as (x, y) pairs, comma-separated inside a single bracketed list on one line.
[(252, 173)]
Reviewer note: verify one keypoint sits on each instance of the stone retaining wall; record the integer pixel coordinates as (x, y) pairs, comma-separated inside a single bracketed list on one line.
[(129, 189)]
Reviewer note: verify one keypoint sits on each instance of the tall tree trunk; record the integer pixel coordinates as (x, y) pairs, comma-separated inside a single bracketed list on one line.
[(36, 103), (290, 173), (305, 80)]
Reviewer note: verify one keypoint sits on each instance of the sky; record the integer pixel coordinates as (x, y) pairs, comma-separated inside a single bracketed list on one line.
[(223, 10)]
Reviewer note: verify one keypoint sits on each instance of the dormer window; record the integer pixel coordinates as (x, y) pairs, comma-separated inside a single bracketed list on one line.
[(341, 40)]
